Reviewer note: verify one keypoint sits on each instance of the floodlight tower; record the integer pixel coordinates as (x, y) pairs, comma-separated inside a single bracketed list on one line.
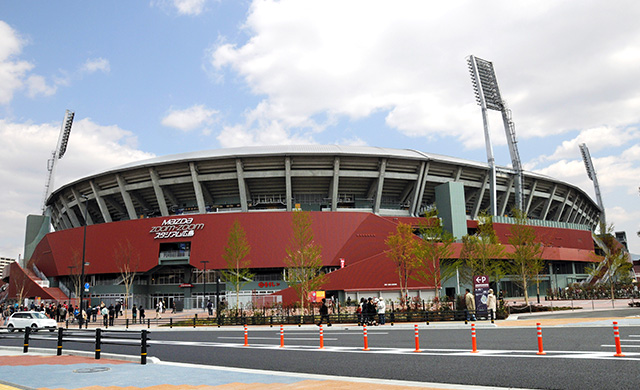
[(485, 85), (591, 172), (61, 148)]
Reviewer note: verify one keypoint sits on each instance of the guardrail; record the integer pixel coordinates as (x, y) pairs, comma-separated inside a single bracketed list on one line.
[(98, 337)]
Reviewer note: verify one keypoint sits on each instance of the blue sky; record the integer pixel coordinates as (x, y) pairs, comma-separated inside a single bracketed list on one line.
[(151, 78)]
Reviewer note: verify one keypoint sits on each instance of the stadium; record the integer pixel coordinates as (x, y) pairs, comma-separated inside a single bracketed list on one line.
[(174, 214)]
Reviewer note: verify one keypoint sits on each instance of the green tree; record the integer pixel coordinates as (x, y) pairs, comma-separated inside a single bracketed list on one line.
[(482, 252), (433, 253), (238, 270), (304, 259), (403, 252), (526, 259)]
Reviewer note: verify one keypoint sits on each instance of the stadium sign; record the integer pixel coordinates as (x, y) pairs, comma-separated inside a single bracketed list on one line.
[(176, 228)]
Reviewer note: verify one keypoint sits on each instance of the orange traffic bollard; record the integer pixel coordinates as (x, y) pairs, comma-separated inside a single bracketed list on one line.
[(417, 339), (616, 335), (474, 345), (366, 342), (321, 337), (246, 337), (281, 336), (540, 350)]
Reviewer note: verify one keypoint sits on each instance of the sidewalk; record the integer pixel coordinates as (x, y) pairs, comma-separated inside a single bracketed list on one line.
[(41, 370)]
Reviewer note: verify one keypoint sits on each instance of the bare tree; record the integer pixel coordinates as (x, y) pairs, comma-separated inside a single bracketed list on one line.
[(403, 247), (127, 259), (238, 271), (304, 259)]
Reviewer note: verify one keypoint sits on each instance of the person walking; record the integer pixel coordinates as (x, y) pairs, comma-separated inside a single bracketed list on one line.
[(134, 313), (470, 302), (142, 315), (324, 312), (491, 305)]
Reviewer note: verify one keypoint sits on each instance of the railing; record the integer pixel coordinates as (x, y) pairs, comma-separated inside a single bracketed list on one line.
[(99, 337)]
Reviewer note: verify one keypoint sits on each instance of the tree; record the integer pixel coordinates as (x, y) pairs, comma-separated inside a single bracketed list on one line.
[(127, 259), (616, 261), (75, 272), (403, 252), (304, 258), (526, 259), (482, 252), (432, 251), (238, 271)]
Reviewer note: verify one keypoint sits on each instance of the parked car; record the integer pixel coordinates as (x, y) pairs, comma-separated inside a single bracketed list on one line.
[(34, 319)]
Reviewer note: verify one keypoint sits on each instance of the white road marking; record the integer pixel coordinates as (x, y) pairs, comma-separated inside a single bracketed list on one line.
[(600, 355)]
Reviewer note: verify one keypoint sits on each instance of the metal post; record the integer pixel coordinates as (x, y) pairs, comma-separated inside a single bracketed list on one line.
[(143, 346), (27, 332), (84, 247), (98, 342), (59, 352)]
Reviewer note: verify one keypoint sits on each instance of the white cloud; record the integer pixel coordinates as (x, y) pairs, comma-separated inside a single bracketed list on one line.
[(93, 65), (191, 118), (12, 71), (355, 58), (36, 85), (182, 7), (26, 148)]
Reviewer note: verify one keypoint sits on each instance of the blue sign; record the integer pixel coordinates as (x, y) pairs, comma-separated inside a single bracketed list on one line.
[(86, 287)]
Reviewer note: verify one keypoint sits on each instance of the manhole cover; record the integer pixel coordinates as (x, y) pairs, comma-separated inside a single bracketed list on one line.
[(91, 370)]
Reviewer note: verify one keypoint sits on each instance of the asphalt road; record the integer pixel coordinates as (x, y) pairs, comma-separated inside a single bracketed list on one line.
[(577, 357)]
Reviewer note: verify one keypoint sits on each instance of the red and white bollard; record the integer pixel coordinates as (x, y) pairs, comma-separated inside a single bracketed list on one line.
[(540, 350), (321, 337), (366, 341), (474, 345), (246, 337), (417, 339), (281, 336), (616, 335)]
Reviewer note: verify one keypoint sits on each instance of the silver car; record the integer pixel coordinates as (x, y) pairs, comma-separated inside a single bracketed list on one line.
[(34, 319)]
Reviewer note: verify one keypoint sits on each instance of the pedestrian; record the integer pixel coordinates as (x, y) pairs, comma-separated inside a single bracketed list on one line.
[(470, 302), (112, 314), (142, 315), (210, 307), (491, 304), (105, 316), (381, 311), (324, 312), (159, 309), (134, 313), (117, 311)]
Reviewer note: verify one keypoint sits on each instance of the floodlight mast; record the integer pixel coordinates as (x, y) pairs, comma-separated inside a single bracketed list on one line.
[(591, 173), (61, 148), (485, 85)]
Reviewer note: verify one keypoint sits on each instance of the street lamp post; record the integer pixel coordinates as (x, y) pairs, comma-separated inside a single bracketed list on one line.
[(204, 286), (84, 247)]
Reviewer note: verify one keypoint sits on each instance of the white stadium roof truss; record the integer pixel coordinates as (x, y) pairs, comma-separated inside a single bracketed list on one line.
[(328, 178)]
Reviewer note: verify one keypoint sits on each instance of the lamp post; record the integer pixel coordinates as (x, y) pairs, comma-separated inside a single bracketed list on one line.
[(204, 286), (84, 247)]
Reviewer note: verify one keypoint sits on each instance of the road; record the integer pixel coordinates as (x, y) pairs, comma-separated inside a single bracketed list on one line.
[(576, 357)]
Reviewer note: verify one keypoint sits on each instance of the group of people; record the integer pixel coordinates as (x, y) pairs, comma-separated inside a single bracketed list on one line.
[(368, 309), (470, 303)]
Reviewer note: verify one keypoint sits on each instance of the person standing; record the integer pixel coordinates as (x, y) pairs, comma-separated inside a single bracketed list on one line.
[(142, 315), (470, 302), (381, 311), (134, 313), (491, 304)]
